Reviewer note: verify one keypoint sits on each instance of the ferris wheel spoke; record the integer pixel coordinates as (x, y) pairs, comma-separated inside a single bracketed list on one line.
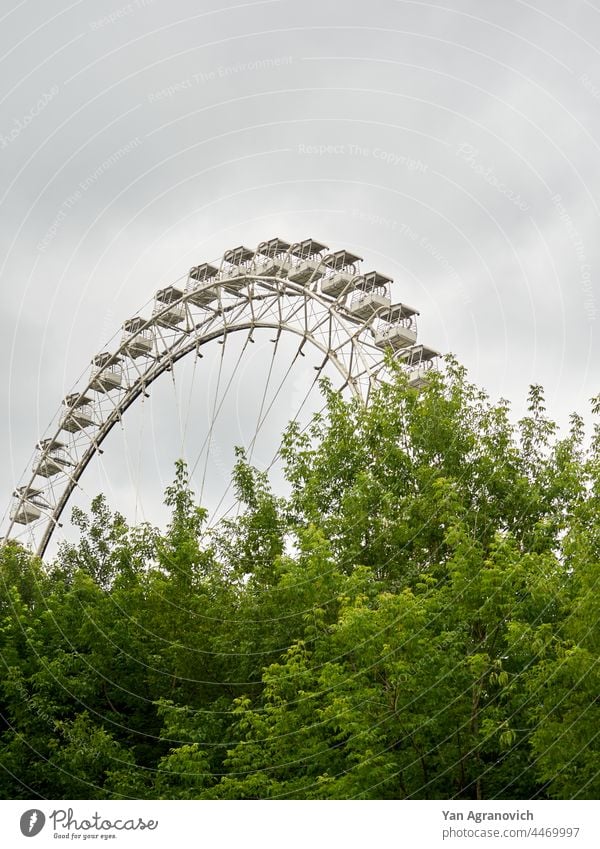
[(186, 420), (262, 402), (216, 408), (208, 439), (276, 455), (138, 469), (280, 387), (261, 419)]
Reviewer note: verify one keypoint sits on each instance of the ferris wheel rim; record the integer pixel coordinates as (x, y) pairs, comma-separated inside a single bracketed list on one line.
[(273, 287)]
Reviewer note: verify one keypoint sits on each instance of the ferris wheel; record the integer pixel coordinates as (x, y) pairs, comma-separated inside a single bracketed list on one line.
[(320, 298)]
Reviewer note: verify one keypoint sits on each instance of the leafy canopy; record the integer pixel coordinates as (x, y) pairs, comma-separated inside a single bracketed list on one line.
[(418, 618)]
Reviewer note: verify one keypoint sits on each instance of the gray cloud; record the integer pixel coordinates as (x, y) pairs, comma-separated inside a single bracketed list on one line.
[(454, 148)]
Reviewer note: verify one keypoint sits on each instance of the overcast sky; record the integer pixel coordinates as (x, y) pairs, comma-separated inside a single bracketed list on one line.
[(455, 146)]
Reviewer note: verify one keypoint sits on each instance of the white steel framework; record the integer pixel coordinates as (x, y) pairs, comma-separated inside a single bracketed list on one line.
[(324, 298)]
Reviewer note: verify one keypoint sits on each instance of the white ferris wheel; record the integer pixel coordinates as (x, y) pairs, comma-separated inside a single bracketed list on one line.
[(313, 297)]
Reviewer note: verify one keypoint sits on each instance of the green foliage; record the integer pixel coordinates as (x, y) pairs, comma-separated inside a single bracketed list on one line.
[(418, 619)]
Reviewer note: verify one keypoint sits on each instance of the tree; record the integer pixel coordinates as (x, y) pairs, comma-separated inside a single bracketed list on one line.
[(417, 619)]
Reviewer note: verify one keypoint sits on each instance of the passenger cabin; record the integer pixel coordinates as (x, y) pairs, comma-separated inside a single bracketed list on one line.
[(138, 340), (168, 310), (79, 413), (342, 270), (272, 258), (201, 288), (397, 327), (52, 458), (235, 268), (371, 295), (310, 256), (420, 362), (30, 506), (106, 372)]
